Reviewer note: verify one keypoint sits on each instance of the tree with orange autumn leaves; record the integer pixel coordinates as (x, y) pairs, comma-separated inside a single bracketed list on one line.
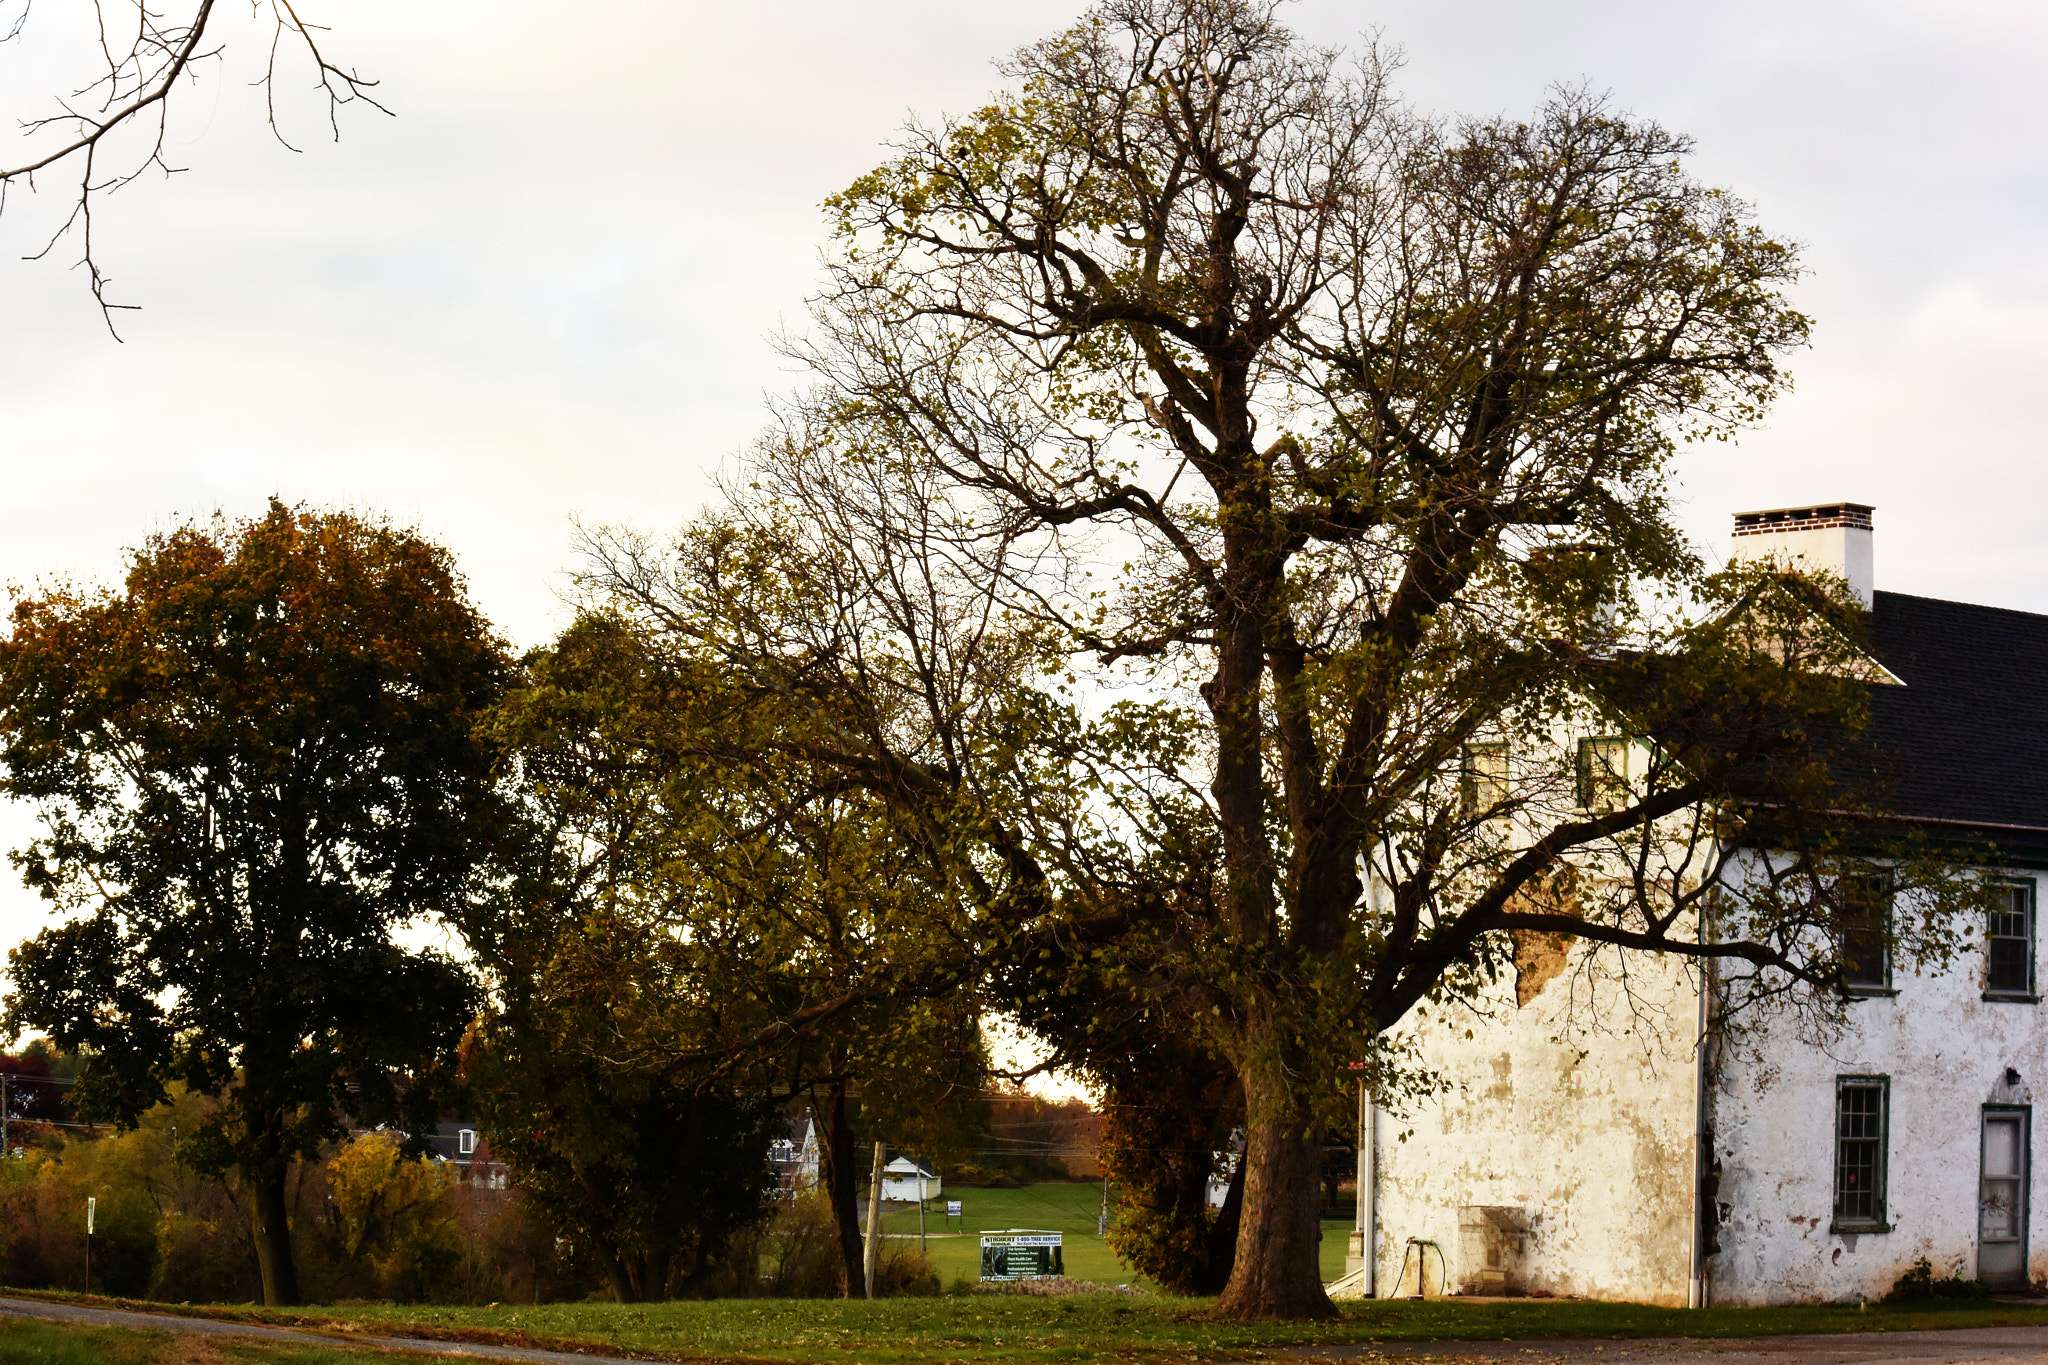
[(255, 759)]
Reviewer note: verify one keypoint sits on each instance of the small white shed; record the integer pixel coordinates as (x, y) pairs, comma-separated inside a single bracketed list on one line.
[(907, 1182)]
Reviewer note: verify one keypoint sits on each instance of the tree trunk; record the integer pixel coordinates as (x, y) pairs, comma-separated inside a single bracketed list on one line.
[(270, 1226), (835, 1154), (654, 1273), (615, 1271), (1277, 1273)]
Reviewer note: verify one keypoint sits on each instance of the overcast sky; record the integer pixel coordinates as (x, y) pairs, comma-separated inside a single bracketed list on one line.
[(545, 288)]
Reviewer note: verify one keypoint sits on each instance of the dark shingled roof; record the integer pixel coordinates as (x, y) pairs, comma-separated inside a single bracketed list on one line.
[(1967, 735)]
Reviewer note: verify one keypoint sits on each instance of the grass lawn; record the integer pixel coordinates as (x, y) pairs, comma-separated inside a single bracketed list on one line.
[(1019, 1328)]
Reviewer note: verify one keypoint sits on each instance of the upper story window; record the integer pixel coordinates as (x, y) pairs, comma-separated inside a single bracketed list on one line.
[(2009, 949), (1603, 774), (1483, 785), (1866, 914), (465, 1141)]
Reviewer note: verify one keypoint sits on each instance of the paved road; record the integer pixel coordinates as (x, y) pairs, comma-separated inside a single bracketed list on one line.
[(216, 1327), (1985, 1344)]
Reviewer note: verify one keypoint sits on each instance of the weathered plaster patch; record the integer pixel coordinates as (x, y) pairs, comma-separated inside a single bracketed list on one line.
[(1539, 960)]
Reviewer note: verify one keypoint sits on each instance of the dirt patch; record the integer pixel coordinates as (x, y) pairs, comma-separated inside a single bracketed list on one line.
[(187, 1349)]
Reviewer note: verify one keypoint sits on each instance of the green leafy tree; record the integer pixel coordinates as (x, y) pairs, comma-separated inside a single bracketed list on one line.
[(759, 921), (255, 761), (649, 1176), (1170, 1110)]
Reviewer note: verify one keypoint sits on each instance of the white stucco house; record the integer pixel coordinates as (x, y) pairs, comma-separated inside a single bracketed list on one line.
[(1630, 1162)]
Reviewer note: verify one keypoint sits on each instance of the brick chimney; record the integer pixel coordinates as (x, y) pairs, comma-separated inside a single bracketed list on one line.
[(1834, 537)]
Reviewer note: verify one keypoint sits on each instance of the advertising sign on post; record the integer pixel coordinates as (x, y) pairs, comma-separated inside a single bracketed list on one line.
[(952, 1208), (1021, 1254)]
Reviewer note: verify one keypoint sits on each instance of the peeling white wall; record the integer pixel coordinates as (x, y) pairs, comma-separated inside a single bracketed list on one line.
[(1946, 1050), (1588, 1130)]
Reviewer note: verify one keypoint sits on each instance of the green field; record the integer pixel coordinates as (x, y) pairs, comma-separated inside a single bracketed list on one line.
[(1068, 1207), (1021, 1328)]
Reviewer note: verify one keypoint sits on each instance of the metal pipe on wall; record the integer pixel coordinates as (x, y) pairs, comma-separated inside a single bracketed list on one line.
[(1696, 1288), (1366, 1232)]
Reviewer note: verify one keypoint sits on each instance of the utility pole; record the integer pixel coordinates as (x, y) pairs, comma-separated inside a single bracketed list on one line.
[(920, 1208), (5, 1114), (1102, 1219), (874, 1247)]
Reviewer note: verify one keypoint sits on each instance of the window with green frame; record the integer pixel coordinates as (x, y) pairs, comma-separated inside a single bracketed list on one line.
[(1864, 904), (1603, 774), (1483, 784), (2009, 943), (1862, 1133)]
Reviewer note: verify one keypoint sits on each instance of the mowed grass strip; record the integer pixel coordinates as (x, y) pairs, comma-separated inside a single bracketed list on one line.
[(1011, 1327)]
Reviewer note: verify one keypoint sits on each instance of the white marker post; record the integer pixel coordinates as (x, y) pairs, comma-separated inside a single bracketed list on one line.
[(91, 1207)]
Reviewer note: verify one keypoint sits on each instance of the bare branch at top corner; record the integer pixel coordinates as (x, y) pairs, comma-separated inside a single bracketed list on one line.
[(146, 54)]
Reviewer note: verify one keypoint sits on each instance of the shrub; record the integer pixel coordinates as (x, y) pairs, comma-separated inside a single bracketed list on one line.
[(799, 1249), (387, 1227), (903, 1273), (1918, 1285)]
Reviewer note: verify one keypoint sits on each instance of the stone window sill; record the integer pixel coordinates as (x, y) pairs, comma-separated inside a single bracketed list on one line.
[(1870, 992), (1858, 1228), (2011, 998)]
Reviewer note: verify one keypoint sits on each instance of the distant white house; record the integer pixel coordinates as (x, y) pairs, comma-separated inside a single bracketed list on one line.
[(1224, 1171), (794, 1156), (907, 1182)]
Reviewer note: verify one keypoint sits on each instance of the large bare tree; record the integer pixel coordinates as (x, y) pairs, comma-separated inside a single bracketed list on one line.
[(1344, 435)]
